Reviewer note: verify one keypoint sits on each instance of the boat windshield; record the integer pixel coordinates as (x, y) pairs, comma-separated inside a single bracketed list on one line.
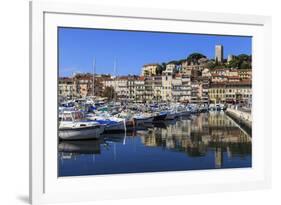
[(77, 116), (67, 117), (74, 116)]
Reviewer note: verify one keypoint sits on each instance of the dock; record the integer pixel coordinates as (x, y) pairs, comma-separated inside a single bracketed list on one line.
[(243, 118)]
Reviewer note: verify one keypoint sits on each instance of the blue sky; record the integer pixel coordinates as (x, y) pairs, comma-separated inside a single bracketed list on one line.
[(131, 49)]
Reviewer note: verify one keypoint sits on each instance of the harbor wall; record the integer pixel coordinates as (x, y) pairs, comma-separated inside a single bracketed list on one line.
[(241, 117)]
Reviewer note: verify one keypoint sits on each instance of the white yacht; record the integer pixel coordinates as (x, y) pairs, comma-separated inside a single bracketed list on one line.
[(73, 127), (109, 122), (143, 118)]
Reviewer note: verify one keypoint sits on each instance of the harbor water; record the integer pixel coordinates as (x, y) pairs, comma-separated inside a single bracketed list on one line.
[(210, 140)]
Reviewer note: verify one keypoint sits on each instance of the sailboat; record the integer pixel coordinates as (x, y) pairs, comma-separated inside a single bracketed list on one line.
[(110, 123)]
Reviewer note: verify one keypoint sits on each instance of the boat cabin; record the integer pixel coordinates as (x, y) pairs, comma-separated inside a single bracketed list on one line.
[(70, 116)]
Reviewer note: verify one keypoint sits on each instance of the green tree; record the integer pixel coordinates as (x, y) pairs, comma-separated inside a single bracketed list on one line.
[(161, 68), (242, 61), (245, 65), (243, 57), (211, 65), (109, 93), (177, 62), (235, 63), (173, 62), (194, 57)]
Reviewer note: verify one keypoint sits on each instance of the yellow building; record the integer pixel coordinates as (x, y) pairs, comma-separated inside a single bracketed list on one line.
[(166, 88), (66, 87), (217, 92), (245, 74), (239, 92), (150, 69), (231, 92)]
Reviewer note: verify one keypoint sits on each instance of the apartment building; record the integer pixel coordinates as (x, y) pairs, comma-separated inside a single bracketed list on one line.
[(65, 87), (150, 69)]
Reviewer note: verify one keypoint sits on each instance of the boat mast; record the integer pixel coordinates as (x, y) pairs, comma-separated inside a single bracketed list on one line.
[(93, 86), (72, 88), (114, 79)]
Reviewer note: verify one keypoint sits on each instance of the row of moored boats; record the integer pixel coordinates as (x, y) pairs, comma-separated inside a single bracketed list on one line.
[(80, 119)]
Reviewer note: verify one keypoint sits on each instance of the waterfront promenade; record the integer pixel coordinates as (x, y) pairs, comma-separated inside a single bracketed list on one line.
[(242, 117)]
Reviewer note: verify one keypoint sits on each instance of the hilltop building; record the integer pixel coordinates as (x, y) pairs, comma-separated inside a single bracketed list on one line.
[(189, 81), (150, 69), (219, 53), (230, 58), (170, 69)]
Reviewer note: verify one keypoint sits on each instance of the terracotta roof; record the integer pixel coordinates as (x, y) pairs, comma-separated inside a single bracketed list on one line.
[(65, 79), (233, 77), (219, 69), (245, 70), (102, 78), (243, 82), (217, 75), (83, 76), (217, 84), (151, 64), (122, 78), (108, 79)]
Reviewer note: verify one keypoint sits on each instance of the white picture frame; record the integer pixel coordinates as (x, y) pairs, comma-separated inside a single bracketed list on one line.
[(46, 187)]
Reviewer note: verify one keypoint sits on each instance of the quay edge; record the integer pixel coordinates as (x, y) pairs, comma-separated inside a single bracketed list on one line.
[(244, 119)]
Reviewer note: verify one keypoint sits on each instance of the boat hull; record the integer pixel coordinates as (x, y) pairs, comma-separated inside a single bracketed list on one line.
[(170, 116), (81, 133), (184, 113), (159, 117), (116, 127), (143, 120)]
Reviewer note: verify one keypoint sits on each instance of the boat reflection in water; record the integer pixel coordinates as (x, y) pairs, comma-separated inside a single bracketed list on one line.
[(204, 141), (80, 147)]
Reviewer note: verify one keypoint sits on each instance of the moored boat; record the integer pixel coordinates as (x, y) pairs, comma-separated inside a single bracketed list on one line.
[(171, 115), (73, 127), (112, 125), (159, 116), (143, 118)]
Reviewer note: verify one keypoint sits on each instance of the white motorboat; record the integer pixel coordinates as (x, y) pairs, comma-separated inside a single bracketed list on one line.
[(171, 115), (143, 118), (193, 108), (73, 127), (113, 126), (182, 111), (110, 123)]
